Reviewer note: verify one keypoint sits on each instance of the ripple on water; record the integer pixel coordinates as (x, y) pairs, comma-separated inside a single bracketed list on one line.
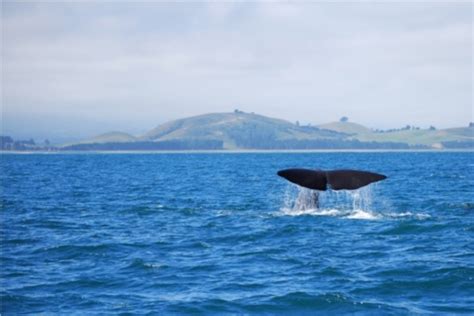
[(222, 234)]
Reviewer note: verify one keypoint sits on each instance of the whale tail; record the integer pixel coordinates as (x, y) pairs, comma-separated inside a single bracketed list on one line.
[(343, 179)]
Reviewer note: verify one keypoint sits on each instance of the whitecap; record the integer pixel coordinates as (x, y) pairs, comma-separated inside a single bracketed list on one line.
[(420, 216), (312, 211), (361, 214)]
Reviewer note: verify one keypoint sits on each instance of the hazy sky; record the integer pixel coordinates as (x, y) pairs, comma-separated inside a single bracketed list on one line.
[(71, 70)]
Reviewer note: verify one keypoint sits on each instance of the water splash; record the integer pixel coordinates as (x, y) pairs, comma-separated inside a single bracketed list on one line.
[(305, 200), (355, 204)]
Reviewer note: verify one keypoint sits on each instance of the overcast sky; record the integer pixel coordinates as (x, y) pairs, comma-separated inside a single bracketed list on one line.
[(71, 70)]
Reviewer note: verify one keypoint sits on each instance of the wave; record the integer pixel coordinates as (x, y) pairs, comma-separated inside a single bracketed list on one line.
[(354, 214), (350, 214)]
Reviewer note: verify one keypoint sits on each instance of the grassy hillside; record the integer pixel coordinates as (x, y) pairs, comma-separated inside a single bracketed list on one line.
[(467, 132), (423, 137), (346, 127), (110, 137), (426, 137), (237, 130)]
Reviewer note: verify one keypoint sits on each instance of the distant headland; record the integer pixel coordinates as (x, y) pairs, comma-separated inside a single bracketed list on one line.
[(249, 131)]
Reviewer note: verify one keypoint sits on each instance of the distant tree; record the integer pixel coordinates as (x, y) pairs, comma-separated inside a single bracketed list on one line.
[(31, 141), (297, 123), (471, 124), (46, 142), (432, 128), (6, 139), (344, 119), (6, 142)]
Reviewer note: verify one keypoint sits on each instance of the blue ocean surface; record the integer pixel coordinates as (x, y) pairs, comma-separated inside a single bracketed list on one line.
[(221, 233)]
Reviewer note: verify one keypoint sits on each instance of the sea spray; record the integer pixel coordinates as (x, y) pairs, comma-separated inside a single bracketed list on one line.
[(356, 204), (300, 199)]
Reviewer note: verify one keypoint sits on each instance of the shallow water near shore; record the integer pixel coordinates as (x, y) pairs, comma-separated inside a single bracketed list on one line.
[(214, 233)]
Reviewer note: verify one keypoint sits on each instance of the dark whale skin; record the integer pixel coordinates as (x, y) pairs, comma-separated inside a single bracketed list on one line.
[(341, 179)]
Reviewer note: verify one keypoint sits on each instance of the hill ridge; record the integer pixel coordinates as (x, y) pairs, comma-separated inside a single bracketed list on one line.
[(242, 130)]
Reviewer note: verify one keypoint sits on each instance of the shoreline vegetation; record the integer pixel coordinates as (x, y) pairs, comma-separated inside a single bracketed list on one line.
[(240, 131)]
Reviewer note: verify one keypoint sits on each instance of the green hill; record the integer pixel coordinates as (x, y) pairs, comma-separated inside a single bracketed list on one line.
[(427, 137), (110, 137), (346, 127), (239, 130)]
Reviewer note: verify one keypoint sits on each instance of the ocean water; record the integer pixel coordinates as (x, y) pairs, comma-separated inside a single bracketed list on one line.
[(221, 233)]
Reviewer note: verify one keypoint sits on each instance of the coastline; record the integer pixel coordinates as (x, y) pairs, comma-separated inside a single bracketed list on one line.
[(233, 151)]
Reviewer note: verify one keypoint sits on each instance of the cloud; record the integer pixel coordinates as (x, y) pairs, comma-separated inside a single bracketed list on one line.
[(301, 61)]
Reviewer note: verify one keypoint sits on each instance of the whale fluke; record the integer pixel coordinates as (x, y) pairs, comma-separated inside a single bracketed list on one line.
[(343, 179)]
